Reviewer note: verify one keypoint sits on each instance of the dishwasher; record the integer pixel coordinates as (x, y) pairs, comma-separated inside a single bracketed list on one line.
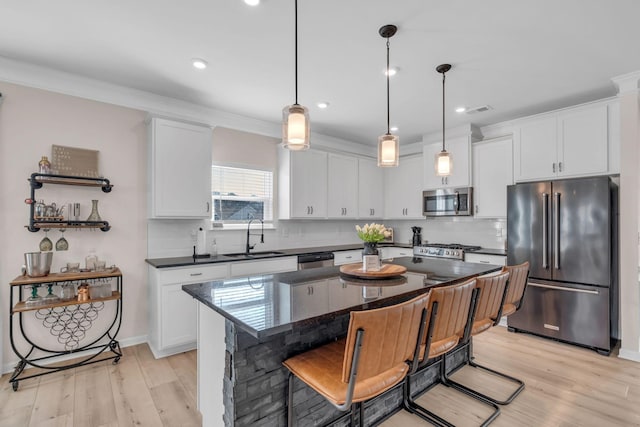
[(316, 260)]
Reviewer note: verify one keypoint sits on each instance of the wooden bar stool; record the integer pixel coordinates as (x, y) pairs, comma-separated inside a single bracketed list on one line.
[(451, 308), (376, 355)]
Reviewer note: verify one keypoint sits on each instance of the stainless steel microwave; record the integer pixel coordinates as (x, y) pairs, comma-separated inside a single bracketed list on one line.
[(448, 202)]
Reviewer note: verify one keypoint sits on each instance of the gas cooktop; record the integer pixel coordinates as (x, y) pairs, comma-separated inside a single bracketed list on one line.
[(444, 250)]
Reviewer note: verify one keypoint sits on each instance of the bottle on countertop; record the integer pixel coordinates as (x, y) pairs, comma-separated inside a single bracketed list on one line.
[(214, 248), (44, 166)]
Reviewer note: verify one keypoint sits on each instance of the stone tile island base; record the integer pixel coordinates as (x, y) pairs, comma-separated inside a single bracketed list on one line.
[(246, 373)]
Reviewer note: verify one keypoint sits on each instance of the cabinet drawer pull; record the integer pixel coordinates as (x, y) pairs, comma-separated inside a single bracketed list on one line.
[(195, 274), (484, 262), (348, 257)]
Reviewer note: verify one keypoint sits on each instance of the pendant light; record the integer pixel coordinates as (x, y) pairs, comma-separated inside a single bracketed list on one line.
[(388, 145), (295, 118), (443, 158)]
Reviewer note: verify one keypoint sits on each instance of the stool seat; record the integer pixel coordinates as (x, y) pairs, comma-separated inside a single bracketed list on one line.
[(440, 347), (321, 369), (481, 326), (508, 309)]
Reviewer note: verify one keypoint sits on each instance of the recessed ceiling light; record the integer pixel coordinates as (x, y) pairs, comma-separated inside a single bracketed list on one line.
[(461, 110), (322, 104), (393, 128), (392, 71), (252, 2), (199, 63)]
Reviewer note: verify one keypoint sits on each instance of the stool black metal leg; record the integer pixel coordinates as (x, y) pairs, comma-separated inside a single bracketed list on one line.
[(290, 402)]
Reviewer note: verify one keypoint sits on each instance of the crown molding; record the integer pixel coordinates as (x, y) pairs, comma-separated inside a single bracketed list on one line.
[(25, 74), (627, 83)]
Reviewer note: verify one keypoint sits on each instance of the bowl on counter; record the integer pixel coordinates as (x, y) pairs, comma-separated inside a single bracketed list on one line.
[(38, 264)]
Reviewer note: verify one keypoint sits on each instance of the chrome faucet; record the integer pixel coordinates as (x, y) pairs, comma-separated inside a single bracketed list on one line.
[(249, 247)]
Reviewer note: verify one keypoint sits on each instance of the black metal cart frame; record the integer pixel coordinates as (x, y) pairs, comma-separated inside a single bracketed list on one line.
[(105, 345)]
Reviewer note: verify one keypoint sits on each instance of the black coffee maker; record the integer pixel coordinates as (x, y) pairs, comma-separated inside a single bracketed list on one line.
[(417, 236)]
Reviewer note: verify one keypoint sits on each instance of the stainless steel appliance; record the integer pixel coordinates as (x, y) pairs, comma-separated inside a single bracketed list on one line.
[(316, 260), (567, 230), (447, 202), (443, 250)]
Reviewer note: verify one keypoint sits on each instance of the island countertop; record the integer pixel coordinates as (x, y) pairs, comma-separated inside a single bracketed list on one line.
[(265, 305)]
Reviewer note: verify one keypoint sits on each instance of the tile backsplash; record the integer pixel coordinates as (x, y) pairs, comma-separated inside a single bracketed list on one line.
[(169, 238)]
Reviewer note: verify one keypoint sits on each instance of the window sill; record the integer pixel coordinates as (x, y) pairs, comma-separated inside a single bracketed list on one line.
[(242, 227)]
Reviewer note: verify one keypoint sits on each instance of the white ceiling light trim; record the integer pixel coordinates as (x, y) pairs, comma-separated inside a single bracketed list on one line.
[(199, 63)]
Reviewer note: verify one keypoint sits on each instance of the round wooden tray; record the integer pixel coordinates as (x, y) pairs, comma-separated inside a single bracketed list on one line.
[(387, 270)]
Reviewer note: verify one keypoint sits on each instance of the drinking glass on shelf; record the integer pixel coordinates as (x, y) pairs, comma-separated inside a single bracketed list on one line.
[(34, 299)]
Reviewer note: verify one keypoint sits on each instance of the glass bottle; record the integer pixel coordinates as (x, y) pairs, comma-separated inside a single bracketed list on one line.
[(44, 166), (95, 215), (214, 248)]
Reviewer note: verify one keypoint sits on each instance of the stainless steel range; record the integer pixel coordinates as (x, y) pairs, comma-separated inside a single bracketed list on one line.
[(444, 250)]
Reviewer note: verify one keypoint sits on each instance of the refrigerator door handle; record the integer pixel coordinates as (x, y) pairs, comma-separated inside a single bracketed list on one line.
[(556, 232), (563, 288), (545, 231)]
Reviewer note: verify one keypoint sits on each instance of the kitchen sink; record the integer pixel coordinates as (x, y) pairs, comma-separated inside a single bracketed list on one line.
[(253, 254)]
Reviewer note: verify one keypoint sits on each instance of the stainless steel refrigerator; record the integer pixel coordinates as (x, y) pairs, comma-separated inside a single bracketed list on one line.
[(567, 230)]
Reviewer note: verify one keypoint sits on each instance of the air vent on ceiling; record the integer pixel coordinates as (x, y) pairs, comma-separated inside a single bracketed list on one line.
[(480, 109)]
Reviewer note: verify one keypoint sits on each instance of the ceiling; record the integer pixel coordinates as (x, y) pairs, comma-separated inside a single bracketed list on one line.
[(518, 57)]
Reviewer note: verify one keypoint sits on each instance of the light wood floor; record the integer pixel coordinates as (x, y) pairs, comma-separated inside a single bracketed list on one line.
[(565, 386)]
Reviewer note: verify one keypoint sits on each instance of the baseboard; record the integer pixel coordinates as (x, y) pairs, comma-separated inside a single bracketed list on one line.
[(158, 354), (629, 355), (126, 342)]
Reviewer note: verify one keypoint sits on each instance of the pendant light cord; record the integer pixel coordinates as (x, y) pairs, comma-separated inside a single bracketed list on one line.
[(443, 77), (388, 115), (296, 49)]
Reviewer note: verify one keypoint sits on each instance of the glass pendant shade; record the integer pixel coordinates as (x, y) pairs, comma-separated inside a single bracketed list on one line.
[(443, 163), (295, 127), (388, 150)]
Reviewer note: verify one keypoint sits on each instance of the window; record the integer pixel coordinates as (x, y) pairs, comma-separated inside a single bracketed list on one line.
[(238, 194)]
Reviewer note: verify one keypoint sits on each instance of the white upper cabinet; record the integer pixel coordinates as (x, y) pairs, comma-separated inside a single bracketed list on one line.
[(582, 141), (403, 189), (302, 184), (370, 190), (179, 169), (460, 151), (535, 149), (492, 173), (568, 143), (343, 186)]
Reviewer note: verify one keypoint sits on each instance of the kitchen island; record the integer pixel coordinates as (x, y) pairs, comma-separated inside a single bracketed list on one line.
[(248, 326)]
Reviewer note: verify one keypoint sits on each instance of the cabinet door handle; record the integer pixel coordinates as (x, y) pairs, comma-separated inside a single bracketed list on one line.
[(476, 209), (195, 274), (553, 168), (373, 212), (208, 207), (311, 210), (559, 166)]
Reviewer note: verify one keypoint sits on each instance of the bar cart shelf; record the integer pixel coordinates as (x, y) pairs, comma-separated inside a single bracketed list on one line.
[(37, 180), (67, 320)]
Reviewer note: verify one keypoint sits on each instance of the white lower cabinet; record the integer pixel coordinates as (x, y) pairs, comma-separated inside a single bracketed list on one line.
[(172, 312), (263, 266), (347, 257), (486, 259), (343, 295), (297, 302), (393, 252)]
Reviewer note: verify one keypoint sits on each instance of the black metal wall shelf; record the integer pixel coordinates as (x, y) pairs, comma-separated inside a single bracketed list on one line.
[(36, 182)]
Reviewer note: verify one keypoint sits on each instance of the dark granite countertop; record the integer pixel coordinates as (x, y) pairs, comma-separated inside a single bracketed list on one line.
[(265, 305), (189, 260), (488, 251)]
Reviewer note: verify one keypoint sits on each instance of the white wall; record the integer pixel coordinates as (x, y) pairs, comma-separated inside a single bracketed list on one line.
[(31, 120)]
